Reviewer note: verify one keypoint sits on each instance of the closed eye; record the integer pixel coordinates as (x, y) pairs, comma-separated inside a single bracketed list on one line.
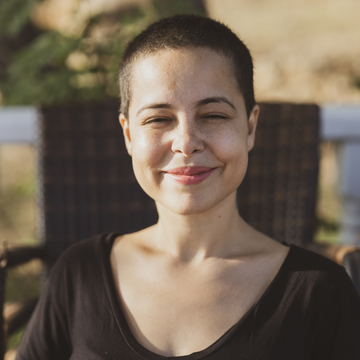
[(215, 116), (157, 120)]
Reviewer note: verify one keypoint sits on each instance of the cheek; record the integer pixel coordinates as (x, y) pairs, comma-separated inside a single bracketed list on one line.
[(147, 155), (232, 150), (231, 145)]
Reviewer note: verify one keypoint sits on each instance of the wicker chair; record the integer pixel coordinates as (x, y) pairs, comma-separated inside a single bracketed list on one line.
[(278, 194), (86, 178), (87, 186)]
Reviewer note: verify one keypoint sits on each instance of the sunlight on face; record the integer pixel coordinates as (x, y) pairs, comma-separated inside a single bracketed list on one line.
[(187, 132)]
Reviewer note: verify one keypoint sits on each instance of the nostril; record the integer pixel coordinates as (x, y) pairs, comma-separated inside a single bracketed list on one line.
[(187, 142)]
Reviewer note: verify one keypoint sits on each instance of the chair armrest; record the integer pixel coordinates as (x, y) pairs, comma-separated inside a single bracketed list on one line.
[(333, 252), (21, 255)]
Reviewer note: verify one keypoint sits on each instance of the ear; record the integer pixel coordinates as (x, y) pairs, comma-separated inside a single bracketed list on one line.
[(126, 131), (252, 123)]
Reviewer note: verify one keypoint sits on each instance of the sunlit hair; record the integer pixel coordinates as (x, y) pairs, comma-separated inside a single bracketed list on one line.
[(186, 31)]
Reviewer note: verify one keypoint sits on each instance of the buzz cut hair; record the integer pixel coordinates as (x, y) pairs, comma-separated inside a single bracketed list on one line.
[(188, 31)]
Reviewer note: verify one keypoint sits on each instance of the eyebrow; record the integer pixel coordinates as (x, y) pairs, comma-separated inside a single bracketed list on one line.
[(203, 102), (215, 99), (154, 106)]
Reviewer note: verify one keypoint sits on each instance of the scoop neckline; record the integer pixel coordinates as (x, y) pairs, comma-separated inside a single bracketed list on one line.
[(132, 342)]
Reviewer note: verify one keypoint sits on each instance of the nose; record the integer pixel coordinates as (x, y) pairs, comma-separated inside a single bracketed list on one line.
[(187, 138)]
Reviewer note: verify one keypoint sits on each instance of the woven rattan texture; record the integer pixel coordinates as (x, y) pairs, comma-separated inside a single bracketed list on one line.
[(87, 185), (278, 194)]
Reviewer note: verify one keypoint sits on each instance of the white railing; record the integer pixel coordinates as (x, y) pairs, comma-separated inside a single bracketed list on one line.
[(18, 124), (339, 123)]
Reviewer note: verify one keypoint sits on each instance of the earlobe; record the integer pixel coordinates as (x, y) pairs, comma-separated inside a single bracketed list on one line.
[(252, 123), (126, 131)]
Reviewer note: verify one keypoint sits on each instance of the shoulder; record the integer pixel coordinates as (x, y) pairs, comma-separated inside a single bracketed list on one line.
[(88, 249), (317, 273), (301, 259), (76, 277), (317, 288), (328, 297), (86, 257)]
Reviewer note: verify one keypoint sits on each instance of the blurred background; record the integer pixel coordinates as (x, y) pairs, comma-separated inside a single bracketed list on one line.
[(57, 51)]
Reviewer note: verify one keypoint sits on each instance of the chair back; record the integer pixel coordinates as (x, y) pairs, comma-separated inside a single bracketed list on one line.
[(86, 182), (278, 194)]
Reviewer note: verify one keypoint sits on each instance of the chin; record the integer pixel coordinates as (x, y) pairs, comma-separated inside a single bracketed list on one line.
[(186, 205), (188, 210), (191, 210)]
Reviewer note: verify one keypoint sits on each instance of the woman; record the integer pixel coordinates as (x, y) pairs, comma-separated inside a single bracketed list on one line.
[(201, 283)]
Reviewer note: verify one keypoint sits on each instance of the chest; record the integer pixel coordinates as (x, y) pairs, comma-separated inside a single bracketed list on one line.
[(180, 313), (105, 334), (113, 329)]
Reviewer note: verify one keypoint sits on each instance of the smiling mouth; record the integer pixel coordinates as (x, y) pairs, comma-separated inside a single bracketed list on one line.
[(190, 175)]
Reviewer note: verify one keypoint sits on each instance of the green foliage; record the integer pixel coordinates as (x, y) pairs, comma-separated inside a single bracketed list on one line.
[(327, 231), (23, 282), (357, 82), (57, 68), (14, 340), (25, 189), (39, 71), (14, 15), (168, 8)]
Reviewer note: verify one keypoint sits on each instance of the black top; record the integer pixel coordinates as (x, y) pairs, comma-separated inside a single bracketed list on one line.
[(309, 311)]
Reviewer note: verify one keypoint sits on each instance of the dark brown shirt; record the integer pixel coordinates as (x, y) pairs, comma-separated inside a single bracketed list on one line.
[(310, 311)]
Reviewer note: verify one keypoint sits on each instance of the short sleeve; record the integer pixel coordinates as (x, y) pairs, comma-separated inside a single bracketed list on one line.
[(339, 335), (47, 334)]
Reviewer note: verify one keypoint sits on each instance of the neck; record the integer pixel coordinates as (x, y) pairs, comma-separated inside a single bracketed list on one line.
[(218, 232)]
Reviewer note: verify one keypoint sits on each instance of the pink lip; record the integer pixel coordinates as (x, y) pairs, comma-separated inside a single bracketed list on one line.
[(190, 175)]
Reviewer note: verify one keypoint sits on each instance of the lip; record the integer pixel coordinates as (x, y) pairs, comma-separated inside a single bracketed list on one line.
[(190, 175)]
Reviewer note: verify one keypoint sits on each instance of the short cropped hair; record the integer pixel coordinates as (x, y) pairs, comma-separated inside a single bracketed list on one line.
[(186, 31)]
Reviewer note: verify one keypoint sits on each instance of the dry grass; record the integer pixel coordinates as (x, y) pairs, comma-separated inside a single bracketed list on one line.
[(18, 221), (328, 207), (304, 51), (17, 201)]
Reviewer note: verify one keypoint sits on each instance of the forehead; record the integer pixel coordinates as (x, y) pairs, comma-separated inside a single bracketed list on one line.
[(184, 74)]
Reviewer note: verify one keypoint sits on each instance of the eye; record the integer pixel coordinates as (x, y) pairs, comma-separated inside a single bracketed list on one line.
[(158, 120), (215, 116)]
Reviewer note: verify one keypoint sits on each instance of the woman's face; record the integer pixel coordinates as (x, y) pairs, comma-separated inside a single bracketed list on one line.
[(187, 132)]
